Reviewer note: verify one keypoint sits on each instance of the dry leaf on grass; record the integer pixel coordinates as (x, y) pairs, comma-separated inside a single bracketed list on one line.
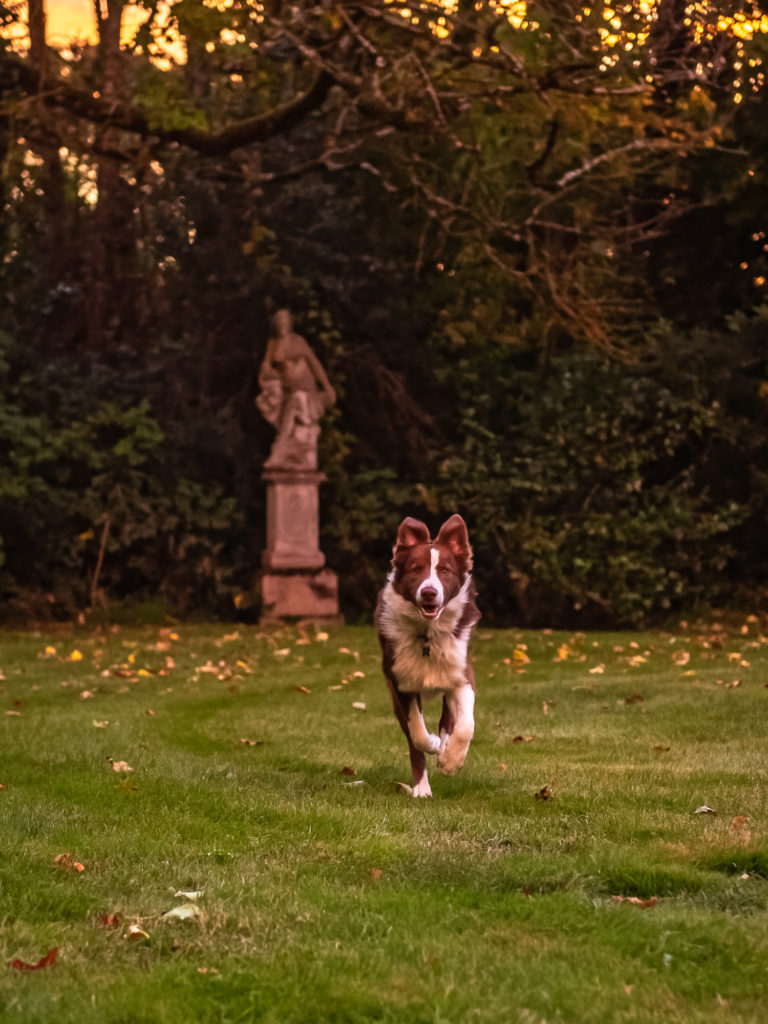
[(186, 912), (637, 902), (705, 810), (119, 766), (545, 793), (49, 960), (109, 920), (348, 771), (68, 862), (136, 934)]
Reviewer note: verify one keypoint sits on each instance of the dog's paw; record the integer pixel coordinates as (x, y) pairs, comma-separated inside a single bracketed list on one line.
[(449, 761), (435, 744), (422, 788)]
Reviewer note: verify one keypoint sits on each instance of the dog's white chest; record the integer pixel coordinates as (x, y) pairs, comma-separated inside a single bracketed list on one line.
[(430, 663), (426, 656)]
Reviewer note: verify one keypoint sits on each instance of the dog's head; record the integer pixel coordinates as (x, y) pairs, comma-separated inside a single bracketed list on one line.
[(430, 573)]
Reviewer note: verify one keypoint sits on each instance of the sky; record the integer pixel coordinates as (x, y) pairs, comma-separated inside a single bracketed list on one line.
[(68, 18)]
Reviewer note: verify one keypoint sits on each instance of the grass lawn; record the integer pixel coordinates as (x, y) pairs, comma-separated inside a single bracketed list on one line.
[(327, 896)]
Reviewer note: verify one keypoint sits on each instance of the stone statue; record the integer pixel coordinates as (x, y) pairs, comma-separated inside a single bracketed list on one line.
[(295, 392)]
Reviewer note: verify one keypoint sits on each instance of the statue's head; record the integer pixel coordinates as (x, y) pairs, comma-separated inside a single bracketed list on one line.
[(281, 323)]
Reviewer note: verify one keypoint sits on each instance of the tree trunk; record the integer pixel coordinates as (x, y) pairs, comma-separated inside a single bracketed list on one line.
[(108, 224)]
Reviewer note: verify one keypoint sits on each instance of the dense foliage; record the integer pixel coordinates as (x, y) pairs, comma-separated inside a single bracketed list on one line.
[(528, 245)]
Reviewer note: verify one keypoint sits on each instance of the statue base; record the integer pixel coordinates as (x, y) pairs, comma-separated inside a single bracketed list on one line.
[(300, 594)]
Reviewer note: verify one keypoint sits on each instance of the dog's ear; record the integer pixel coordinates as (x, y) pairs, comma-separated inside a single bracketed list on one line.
[(453, 535), (410, 532)]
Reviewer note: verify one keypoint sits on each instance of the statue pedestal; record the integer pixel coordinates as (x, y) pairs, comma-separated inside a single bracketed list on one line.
[(294, 582)]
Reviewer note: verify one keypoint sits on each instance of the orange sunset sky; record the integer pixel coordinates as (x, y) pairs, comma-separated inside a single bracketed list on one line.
[(68, 18)]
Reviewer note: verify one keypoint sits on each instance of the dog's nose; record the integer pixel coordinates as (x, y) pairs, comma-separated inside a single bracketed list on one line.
[(428, 594)]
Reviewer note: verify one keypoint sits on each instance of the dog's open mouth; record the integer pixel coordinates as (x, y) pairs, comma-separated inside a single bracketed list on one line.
[(430, 610)]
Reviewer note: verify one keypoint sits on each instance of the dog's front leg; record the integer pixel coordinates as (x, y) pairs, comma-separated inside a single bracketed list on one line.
[(421, 738), (408, 711), (459, 712)]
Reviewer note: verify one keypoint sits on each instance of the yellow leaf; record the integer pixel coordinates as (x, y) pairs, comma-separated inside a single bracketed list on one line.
[(88, 535), (75, 656), (520, 656), (50, 651), (143, 672)]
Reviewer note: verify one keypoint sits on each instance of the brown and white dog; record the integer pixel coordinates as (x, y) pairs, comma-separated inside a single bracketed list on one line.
[(425, 617)]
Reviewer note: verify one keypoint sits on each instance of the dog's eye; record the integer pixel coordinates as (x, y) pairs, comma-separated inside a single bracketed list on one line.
[(444, 570)]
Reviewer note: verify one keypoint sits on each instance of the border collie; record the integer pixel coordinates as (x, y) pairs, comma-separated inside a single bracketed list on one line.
[(425, 617)]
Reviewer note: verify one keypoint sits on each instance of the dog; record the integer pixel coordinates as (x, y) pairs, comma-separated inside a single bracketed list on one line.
[(425, 616)]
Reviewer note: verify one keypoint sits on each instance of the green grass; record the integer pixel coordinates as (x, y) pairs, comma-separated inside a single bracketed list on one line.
[(329, 902)]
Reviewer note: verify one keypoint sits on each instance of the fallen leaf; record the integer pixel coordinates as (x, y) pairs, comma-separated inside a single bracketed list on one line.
[(321, 637), (75, 656), (15, 714), (375, 874), (207, 970), (405, 787), (282, 652), (597, 670), (67, 861), (357, 782), (190, 894), (101, 725), (303, 689), (49, 960), (136, 934), (637, 902), (662, 749), (503, 767), (520, 656), (186, 912), (545, 793), (636, 660), (741, 821), (85, 694), (681, 657), (359, 705), (348, 771), (251, 743), (120, 766), (635, 698), (110, 920), (705, 810)]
